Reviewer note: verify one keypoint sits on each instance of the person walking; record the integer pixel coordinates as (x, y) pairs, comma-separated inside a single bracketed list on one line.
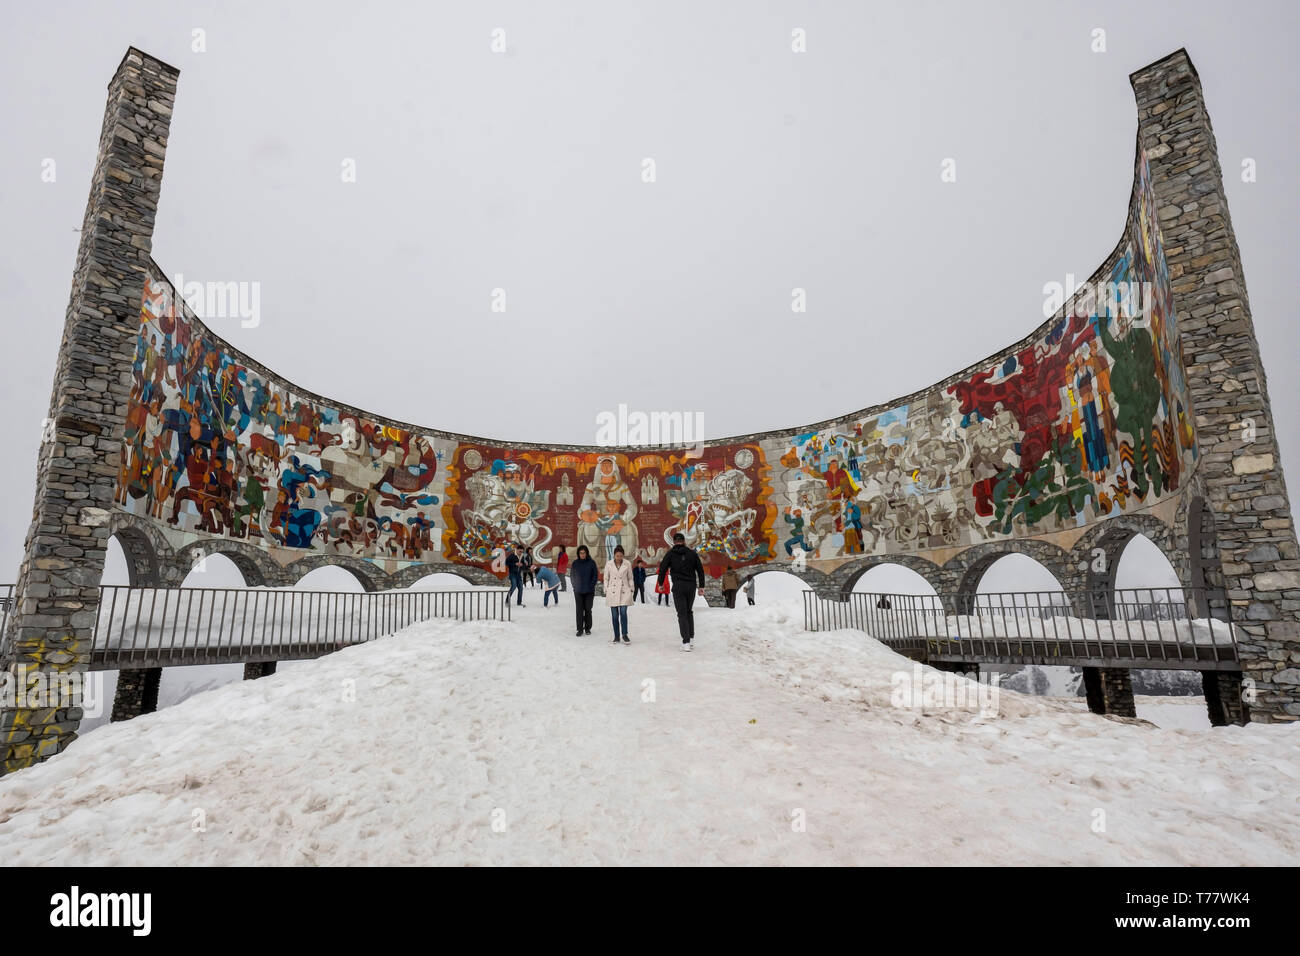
[(638, 579), (749, 590), (662, 589), (686, 570), (528, 568), (618, 592), (514, 561), (584, 573), (550, 585), (562, 567), (730, 585)]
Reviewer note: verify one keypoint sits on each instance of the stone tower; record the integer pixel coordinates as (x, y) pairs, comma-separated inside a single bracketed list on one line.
[(57, 591), (1238, 500)]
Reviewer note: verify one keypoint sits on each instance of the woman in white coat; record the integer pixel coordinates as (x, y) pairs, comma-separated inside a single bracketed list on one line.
[(618, 592)]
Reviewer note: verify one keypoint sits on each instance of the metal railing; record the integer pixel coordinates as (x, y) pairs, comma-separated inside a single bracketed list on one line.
[(1136, 627), (151, 627), (155, 627)]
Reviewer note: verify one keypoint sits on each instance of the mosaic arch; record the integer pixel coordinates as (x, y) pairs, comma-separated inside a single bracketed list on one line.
[(1084, 420)]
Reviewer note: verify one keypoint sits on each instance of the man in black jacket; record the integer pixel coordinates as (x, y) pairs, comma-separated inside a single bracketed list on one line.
[(685, 569), (585, 574), (514, 563)]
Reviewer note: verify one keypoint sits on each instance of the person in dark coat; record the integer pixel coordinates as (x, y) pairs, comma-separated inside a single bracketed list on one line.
[(687, 573), (638, 579), (514, 565), (730, 585), (584, 573)]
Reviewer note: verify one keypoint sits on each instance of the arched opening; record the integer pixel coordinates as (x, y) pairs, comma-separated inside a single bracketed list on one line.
[(329, 578), (770, 587), (1018, 573), (117, 567), (1017, 585), (1149, 593), (1142, 565), (440, 581), (215, 571), (893, 579)]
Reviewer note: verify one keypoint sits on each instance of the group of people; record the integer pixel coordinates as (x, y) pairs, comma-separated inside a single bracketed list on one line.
[(681, 576)]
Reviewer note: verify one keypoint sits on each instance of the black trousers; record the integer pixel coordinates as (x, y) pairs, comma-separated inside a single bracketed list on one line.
[(684, 601), (582, 602), (639, 589), (730, 595)]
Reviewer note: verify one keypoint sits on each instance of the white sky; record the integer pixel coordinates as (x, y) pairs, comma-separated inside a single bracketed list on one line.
[(521, 171)]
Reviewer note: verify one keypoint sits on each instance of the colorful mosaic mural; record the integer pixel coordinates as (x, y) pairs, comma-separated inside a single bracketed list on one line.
[(1088, 420), (213, 447), (603, 500)]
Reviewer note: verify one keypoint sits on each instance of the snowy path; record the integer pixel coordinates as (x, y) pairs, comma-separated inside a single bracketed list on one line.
[(455, 726)]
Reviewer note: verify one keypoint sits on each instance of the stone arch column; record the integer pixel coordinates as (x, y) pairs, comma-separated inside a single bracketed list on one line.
[(1205, 562), (143, 565)]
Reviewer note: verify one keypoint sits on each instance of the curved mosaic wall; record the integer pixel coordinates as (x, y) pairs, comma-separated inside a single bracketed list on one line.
[(1084, 420)]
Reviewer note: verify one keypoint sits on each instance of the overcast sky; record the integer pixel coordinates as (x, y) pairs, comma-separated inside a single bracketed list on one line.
[(522, 171)]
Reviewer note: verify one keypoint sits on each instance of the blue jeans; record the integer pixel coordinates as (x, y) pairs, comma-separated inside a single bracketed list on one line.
[(619, 616), (551, 593), (516, 584)]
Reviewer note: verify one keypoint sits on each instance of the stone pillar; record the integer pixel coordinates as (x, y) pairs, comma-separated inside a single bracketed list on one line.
[(1240, 468), (137, 693), (1109, 691), (58, 581), (259, 669), (1223, 698)]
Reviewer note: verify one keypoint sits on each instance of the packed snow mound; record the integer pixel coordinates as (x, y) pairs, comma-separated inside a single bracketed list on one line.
[(496, 743)]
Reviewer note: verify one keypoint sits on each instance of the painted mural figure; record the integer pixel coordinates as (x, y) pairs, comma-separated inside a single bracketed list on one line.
[(853, 536), (607, 513), (795, 521), (293, 519), (1137, 395)]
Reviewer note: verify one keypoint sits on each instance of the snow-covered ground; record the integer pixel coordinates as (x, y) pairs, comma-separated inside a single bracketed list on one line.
[(492, 743)]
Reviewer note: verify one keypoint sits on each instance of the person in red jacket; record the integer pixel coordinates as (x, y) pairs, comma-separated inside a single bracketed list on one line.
[(562, 566), (663, 589)]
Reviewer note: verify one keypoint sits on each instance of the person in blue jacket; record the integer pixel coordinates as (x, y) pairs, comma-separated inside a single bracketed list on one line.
[(550, 582)]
